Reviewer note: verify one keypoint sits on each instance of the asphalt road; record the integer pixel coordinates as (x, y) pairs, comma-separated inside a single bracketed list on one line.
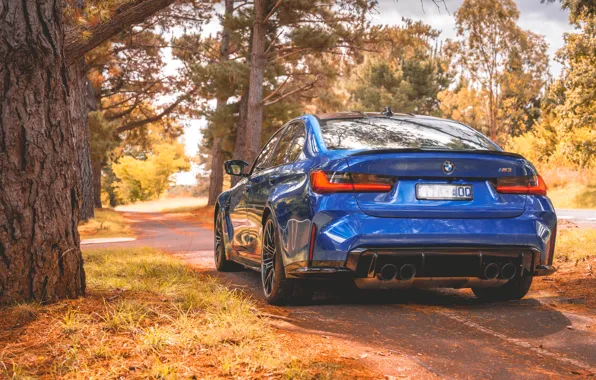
[(417, 334), (584, 218)]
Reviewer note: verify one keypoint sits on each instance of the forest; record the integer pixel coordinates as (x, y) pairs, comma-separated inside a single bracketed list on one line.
[(494, 76)]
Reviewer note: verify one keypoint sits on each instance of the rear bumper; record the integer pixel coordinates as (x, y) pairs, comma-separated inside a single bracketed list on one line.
[(434, 267)]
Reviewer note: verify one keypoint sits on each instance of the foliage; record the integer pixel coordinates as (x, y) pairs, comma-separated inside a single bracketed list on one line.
[(566, 134), (503, 64), (306, 44), (406, 71), (149, 178)]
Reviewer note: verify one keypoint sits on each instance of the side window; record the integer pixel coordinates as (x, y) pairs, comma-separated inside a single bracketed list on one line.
[(290, 145), (263, 161), (297, 144)]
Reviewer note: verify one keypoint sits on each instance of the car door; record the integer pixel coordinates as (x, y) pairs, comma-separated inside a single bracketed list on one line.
[(263, 182), (248, 234), (237, 214)]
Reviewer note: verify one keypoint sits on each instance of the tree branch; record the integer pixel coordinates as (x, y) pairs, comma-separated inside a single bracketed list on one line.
[(128, 14), (153, 119), (283, 96), (278, 89), (272, 12)]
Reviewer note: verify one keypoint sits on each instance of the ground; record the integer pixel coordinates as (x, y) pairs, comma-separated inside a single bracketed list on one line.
[(418, 334), (343, 334)]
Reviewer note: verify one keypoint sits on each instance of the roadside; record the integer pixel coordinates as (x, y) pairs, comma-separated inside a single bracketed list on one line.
[(107, 223), (415, 333), (148, 315)]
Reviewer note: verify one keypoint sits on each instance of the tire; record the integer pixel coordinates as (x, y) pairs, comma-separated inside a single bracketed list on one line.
[(277, 289), (515, 289), (222, 264)]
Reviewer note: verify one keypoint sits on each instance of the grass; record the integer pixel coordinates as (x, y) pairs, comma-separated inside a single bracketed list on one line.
[(573, 195), (147, 315), (166, 205), (106, 224), (575, 244)]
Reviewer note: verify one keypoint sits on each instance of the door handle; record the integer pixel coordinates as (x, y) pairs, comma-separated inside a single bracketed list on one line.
[(273, 179)]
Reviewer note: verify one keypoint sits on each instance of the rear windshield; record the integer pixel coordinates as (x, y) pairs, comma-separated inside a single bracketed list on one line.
[(385, 133)]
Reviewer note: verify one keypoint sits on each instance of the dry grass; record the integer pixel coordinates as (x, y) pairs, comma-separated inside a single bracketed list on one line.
[(571, 188), (573, 195), (576, 244), (106, 224), (167, 205), (149, 316), (575, 259)]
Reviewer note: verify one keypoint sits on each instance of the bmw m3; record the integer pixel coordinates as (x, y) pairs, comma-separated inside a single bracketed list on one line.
[(389, 201)]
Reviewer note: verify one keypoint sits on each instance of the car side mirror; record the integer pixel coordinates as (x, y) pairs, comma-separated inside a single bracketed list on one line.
[(236, 167)]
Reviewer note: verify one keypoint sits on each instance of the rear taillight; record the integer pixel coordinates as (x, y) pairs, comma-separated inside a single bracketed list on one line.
[(532, 185), (338, 182)]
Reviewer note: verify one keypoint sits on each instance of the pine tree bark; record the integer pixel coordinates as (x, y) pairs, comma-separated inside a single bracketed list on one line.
[(40, 257), (216, 175), (240, 146), (78, 111), (254, 117)]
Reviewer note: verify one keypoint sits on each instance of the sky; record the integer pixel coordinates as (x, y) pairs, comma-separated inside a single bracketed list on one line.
[(549, 20)]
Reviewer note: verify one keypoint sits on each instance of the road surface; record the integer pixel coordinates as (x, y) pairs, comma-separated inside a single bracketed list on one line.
[(424, 334), (584, 218)]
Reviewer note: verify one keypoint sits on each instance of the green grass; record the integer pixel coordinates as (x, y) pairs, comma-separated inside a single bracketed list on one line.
[(106, 224), (150, 316)]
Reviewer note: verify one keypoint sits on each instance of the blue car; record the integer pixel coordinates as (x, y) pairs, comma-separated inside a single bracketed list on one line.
[(389, 201)]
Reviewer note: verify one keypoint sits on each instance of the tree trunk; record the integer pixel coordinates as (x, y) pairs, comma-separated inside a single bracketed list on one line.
[(254, 117), (40, 257), (78, 111), (240, 146), (96, 170), (216, 175)]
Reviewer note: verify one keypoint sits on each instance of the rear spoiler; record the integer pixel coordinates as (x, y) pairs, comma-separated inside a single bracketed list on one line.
[(419, 150)]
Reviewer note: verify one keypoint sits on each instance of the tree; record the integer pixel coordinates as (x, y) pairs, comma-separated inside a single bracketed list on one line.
[(40, 186), (149, 178), (283, 30), (406, 71), (491, 50)]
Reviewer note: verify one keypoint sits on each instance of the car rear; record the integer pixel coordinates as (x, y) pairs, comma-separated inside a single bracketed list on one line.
[(415, 201)]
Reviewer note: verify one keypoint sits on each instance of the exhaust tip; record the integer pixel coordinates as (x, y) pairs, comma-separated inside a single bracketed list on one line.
[(508, 271), (388, 272), (407, 272), (491, 271)]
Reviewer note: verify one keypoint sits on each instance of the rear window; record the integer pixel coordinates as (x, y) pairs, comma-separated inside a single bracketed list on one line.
[(385, 133)]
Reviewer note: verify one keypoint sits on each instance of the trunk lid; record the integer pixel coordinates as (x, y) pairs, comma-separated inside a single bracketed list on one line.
[(411, 168)]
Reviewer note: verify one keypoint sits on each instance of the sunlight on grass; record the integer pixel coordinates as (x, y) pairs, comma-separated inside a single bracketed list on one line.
[(106, 224), (576, 244), (167, 205), (573, 195), (150, 316)]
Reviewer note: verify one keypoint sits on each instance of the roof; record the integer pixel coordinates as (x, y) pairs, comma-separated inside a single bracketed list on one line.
[(355, 115)]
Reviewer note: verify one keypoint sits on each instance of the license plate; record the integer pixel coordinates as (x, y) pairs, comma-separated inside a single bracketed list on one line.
[(444, 192)]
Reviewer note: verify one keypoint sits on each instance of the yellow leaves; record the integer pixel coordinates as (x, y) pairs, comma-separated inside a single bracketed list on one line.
[(151, 177)]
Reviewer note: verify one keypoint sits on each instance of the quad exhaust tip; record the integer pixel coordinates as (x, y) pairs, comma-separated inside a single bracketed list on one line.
[(407, 272), (491, 271), (508, 271), (388, 272)]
